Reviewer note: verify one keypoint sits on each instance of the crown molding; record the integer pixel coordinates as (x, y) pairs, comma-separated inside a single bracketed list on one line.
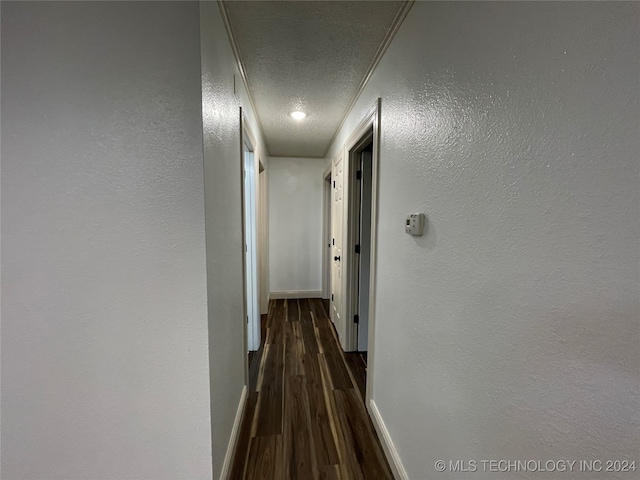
[(241, 69)]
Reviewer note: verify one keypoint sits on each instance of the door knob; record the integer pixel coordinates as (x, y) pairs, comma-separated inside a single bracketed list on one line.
[(337, 259)]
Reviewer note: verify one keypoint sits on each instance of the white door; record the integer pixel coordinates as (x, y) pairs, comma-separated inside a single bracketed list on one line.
[(336, 231)]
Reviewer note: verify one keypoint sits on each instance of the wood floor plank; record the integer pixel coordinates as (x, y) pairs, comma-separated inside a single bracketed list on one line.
[(239, 463), (358, 371), (340, 442), (304, 418), (254, 368), (338, 370), (269, 420), (308, 333), (263, 326), (261, 366), (297, 337), (326, 339), (265, 459), (300, 453), (320, 426), (293, 311), (329, 472), (275, 325), (317, 308), (355, 455), (359, 431), (294, 349)]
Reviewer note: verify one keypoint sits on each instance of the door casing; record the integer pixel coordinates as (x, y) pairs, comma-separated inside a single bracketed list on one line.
[(326, 234), (367, 130), (251, 320), (347, 333)]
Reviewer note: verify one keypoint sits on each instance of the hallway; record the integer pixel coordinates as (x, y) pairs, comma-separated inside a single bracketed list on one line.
[(502, 321), (304, 418)]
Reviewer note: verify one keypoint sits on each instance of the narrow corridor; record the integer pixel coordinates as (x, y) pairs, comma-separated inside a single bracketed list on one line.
[(305, 418)]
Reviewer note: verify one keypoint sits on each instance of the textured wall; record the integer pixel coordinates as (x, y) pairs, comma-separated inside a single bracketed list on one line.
[(510, 330), (104, 330), (295, 224), (223, 207)]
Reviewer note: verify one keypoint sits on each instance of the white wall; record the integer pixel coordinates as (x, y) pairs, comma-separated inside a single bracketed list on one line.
[(104, 319), (223, 207), (510, 330), (295, 225)]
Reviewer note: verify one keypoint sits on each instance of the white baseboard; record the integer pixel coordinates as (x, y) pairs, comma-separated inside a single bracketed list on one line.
[(296, 294), (387, 444), (233, 441)]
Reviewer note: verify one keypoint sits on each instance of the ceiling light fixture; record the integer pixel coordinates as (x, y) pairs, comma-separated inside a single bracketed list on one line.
[(298, 115)]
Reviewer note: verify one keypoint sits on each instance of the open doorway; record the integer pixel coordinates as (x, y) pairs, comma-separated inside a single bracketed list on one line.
[(326, 240), (362, 259), (359, 238), (250, 171), (351, 262)]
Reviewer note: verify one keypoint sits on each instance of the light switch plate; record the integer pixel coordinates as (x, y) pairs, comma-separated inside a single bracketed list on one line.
[(414, 224)]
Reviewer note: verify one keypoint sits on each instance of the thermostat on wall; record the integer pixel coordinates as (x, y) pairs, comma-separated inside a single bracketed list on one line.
[(414, 224)]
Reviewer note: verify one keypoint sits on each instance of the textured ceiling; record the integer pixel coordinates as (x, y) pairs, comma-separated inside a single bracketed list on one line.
[(307, 55)]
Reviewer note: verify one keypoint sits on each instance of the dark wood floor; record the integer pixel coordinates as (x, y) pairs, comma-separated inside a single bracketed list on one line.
[(305, 418), (356, 361)]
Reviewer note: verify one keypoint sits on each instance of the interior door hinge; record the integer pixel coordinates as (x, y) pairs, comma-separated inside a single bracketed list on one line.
[(332, 297), (356, 319), (359, 174), (333, 241), (334, 184), (358, 248)]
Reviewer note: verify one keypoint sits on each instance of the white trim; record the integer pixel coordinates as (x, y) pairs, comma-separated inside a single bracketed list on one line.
[(251, 137), (327, 204), (296, 294), (371, 121), (253, 339), (235, 433), (245, 330), (373, 263), (389, 448)]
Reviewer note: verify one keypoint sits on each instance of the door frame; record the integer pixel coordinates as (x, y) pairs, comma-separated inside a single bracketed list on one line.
[(361, 236), (326, 233), (251, 331), (352, 237), (369, 123)]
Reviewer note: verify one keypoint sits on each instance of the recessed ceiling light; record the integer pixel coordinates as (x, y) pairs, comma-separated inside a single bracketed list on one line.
[(298, 115)]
